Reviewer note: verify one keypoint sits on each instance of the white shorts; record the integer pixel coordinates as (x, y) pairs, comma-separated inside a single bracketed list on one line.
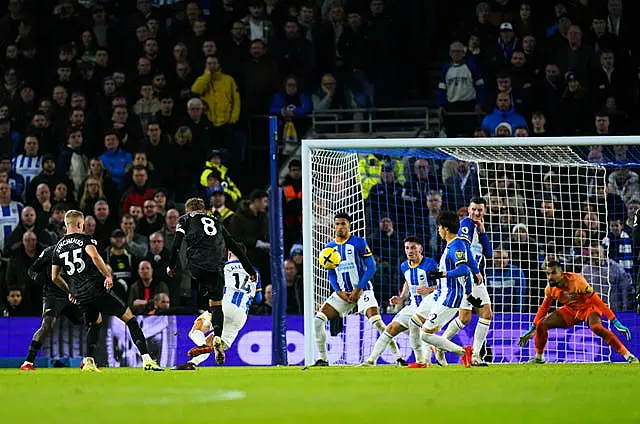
[(234, 320), (426, 305), (367, 300), (438, 317), (404, 316), (477, 291)]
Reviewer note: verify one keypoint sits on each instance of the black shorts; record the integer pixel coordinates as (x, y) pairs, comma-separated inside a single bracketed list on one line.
[(56, 305), (209, 283), (106, 303)]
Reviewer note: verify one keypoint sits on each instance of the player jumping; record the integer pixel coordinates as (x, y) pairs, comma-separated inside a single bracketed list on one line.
[(56, 303), (473, 233), (85, 270), (207, 244), (351, 283), (454, 284), (579, 303), (415, 289), (239, 294)]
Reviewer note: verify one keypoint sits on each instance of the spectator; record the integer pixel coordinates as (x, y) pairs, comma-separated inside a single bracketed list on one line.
[(260, 78), (483, 26), (11, 211), (29, 164), (294, 288), (122, 262), (388, 247), (186, 163), (538, 125), (265, 308), (139, 192), (461, 89), (147, 106), (294, 53), (385, 198), (500, 51), (608, 276), (28, 223), (152, 221), (134, 242), (105, 222), (292, 209), (97, 171), (22, 257), (503, 112), (610, 84), (618, 245), (72, 162), (156, 149), (91, 194), (161, 304), (14, 306), (506, 283), (144, 289), (219, 208), (434, 205), (115, 159), (291, 104), (15, 181), (260, 27), (550, 91), (214, 162), (331, 96), (575, 56), (580, 248), (625, 183)]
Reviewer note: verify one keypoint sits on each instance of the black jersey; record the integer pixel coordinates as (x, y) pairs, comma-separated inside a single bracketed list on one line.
[(40, 271), (83, 277)]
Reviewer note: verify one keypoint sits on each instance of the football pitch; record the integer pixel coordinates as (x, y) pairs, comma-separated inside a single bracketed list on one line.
[(603, 393)]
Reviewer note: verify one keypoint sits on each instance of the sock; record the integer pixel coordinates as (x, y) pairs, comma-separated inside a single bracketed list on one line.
[(441, 343), (34, 348), (381, 344), (199, 359), (453, 329), (198, 337), (138, 338), (480, 335), (610, 338), (93, 333), (416, 342), (146, 357), (321, 335), (378, 324), (540, 339), (217, 319), (428, 354)]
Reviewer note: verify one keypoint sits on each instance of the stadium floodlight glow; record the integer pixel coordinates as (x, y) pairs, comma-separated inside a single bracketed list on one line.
[(331, 182)]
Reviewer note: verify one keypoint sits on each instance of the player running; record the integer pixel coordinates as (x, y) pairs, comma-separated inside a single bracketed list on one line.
[(207, 244), (239, 293), (454, 284), (579, 303), (472, 231), (55, 303), (89, 284), (415, 289), (351, 283)]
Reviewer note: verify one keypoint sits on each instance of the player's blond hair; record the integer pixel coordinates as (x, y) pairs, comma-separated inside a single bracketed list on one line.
[(194, 204), (72, 217)]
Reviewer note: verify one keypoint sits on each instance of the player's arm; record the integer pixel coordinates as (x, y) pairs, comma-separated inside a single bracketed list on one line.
[(258, 297), (396, 300), (56, 270), (97, 260), (39, 265), (233, 246), (543, 310), (369, 271), (606, 310)]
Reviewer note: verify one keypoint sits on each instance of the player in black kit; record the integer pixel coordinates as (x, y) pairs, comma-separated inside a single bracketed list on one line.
[(207, 245), (89, 280), (56, 303)]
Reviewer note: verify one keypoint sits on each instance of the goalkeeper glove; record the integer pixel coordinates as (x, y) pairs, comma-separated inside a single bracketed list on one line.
[(524, 339), (435, 275), (621, 328), (476, 302)]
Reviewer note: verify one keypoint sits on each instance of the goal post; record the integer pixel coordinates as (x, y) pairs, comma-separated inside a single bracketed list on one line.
[(542, 183)]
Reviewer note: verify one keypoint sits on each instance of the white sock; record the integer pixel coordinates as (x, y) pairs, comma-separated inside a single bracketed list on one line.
[(146, 357), (378, 324), (539, 355), (480, 335), (453, 328), (381, 344), (199, 359), (416, 342), (428, 353), (321, 335), (441, 343), (198, 337)]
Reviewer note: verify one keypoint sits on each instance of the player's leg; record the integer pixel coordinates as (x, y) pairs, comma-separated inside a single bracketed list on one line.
[(93, 318), (461, 321), (49, 318), (215, 290), (368, 304), (438, 317), (560, 318), (330, 309), (485, 314), (393, 329), (595, 324), (234, 320)]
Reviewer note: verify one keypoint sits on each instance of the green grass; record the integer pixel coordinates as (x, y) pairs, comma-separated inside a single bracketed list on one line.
[(606, 393)]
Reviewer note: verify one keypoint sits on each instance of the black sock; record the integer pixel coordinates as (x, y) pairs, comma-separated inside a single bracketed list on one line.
[(217, 317), (137, 336), (34, 348), (93, 333)]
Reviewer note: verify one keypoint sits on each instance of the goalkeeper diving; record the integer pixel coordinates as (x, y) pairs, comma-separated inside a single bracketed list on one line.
[(580, 303)]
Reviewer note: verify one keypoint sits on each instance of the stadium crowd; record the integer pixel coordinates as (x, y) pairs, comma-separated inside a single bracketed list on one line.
[(124, 109)]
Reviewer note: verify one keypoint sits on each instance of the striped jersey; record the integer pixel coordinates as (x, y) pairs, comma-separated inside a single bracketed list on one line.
[(451, 290), (479, 245), (27, 167), (9, 219), (353, 253), (416, 276), (239, 290)]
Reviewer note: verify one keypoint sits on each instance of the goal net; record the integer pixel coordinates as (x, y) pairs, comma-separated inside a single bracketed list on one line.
[(543, 203)]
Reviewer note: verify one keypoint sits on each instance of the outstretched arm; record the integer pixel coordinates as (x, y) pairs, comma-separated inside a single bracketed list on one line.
[(543, 310)]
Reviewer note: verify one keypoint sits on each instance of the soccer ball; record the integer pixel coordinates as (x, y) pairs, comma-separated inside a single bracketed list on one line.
[(329, 258)]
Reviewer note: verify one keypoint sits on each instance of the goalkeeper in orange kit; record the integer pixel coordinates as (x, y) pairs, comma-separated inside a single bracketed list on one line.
[(579, 303)]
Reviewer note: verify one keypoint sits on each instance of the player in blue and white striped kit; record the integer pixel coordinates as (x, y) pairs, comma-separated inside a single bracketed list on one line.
[(473, 233), (416, 290), (351, 284), (454, 285)]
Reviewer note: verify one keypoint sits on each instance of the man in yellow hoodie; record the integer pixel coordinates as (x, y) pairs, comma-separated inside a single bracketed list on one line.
[(220, 92)]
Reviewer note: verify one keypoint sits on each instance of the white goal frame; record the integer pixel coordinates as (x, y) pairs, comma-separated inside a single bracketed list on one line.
[(404, 143)]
